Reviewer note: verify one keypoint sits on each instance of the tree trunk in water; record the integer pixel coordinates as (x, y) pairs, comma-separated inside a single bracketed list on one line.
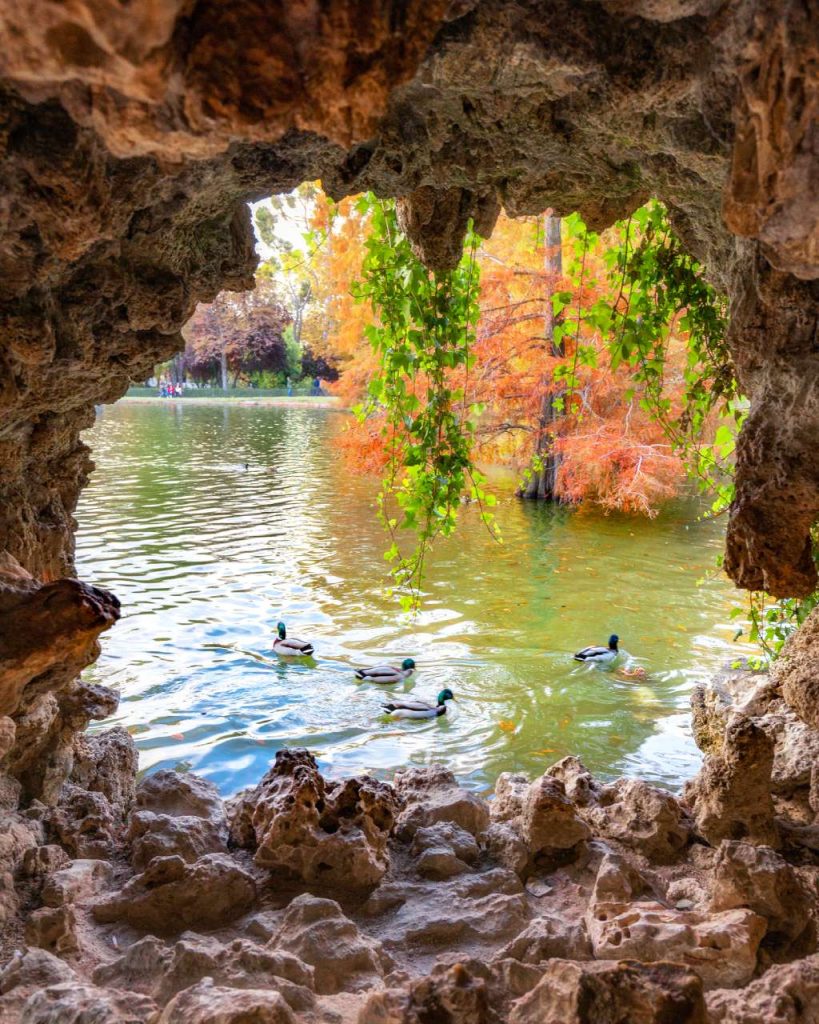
[(542, 482)]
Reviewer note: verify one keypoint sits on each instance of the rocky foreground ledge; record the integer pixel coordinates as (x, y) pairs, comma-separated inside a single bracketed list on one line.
[(560, 901)]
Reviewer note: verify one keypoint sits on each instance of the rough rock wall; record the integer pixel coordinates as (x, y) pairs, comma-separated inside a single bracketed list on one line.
[(132, 137)]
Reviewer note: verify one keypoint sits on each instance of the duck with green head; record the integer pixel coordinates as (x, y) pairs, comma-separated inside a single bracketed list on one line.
[(386, 673), (419, 708), (290, 646)]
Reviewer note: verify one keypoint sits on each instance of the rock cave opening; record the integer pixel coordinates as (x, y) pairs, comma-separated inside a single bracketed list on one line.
[(132, 142)]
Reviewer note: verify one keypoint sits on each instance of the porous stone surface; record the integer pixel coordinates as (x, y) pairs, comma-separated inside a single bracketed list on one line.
[(206, 1003), (795, 671), (72, 1002), (431, 795), (107, 763), (584, 933), (643, 817), (572, 993), (757, 695), (299, 825), (161, 971), (721, 948), (318, 932), (785, 994), (162, 835), (170, 895), (731, 795), (759, 878)]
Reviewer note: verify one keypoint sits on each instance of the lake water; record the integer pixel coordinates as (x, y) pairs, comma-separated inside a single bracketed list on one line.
[(206, 556)]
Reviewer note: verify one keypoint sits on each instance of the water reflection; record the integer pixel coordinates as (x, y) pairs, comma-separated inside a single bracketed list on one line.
[(206, 555)]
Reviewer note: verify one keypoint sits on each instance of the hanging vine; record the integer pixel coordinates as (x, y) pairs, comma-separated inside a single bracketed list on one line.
[(659, 288), (424, 327)]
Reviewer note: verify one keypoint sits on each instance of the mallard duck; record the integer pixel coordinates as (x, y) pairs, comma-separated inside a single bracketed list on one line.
[(387, 673), (600, 655), (632, 672), (419, 708), (290, 646)]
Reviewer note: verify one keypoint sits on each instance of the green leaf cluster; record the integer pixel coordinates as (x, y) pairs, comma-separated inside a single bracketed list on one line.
[(424, 330)]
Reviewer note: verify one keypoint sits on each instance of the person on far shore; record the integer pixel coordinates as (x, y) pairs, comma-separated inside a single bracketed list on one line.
[(316, 389), (289, 387)]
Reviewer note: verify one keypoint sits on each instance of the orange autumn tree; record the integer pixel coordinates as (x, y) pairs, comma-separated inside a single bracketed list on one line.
[(545, 372), (558, 407)]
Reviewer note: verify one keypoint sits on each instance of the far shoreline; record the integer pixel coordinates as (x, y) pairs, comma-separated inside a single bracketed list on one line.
[(294, 402)]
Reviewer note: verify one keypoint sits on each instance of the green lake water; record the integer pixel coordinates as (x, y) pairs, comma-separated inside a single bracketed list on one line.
[(206, 556)]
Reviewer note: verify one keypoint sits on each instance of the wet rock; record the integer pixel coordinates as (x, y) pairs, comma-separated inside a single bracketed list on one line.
[(161, 835), (642, 817), (785, 994), (78, 1003), (53, 929), (180, 794), (107, 763), (572, 993), (549, 937), (432, 795), (732, 793), (161, 970), (83, 824), (76, 883), (759, 878), (206, 1003), (300, 826), (318, 933), (452, 994), (794, 672), (170, 895), (720, 947)]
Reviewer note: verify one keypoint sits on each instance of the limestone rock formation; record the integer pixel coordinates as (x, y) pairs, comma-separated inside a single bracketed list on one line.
[(107, 763), (760, 879), (132, 138), (540, 814), (788, 993), (206, 1003), (721, 948), (163, 835), (74, 1003), (170, 895), (642, 817), (180, 794), (732, 793), (343, 958), (432, 795), (161, 971), (795, 672), (755, 694), (453, 994), (572, 993), (299, 825)]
